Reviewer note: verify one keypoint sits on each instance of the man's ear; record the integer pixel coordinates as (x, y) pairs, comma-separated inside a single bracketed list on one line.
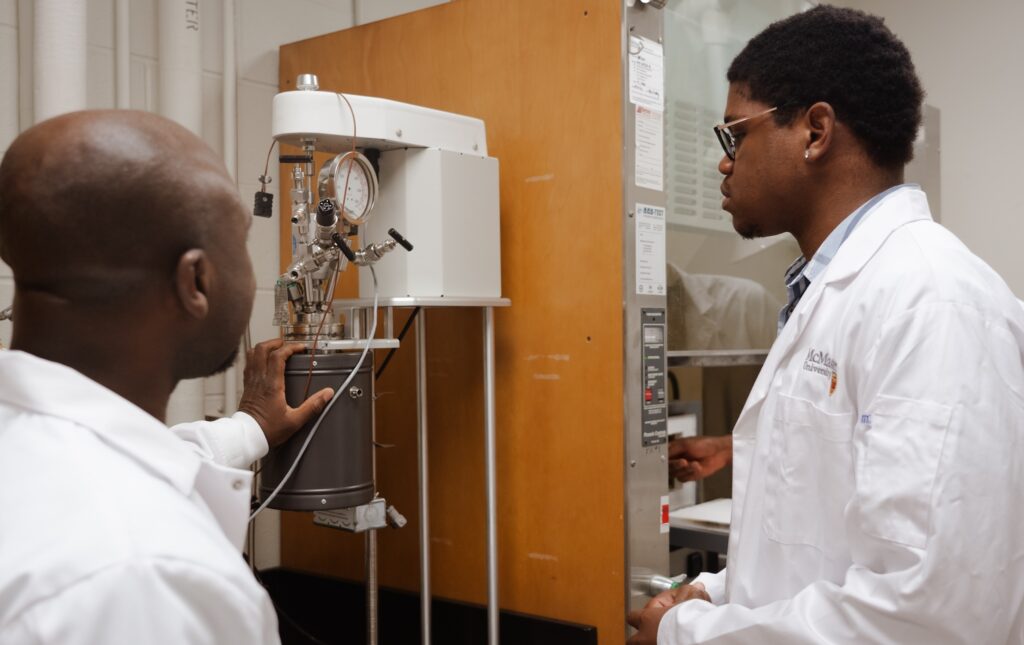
[(820, 120), (192, 283)]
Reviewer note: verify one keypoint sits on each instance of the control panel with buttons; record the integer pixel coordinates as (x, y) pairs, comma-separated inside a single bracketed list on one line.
[(655, 416)]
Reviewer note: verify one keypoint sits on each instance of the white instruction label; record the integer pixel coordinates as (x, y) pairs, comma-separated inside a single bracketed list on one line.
[(650, 148), (650, 250), (646, 73)]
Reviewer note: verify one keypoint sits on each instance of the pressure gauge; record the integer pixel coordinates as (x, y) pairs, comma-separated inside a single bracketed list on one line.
[(361, 191)]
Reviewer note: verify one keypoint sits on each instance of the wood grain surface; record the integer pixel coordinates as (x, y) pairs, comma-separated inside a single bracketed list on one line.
[(545, 76)]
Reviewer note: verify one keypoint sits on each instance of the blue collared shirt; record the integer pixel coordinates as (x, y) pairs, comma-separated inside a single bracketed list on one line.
[(802, 272)]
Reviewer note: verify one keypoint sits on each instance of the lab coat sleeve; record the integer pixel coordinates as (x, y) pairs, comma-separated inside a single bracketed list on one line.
[(153, 602), (936, 540), (234, 441)]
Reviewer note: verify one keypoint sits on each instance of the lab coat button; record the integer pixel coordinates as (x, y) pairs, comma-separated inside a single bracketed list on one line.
[(237, 484)]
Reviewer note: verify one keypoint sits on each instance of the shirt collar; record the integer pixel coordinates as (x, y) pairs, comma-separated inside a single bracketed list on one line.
[(811, 269), (53, 389)]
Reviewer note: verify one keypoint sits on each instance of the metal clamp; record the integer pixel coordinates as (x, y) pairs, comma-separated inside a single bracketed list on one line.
[(358, 519)]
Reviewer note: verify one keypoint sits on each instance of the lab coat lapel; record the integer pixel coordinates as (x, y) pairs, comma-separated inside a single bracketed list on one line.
[(898, 209), (781, 349)]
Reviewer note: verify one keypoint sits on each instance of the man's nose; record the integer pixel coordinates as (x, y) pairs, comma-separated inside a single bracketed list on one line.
[(725, 165)]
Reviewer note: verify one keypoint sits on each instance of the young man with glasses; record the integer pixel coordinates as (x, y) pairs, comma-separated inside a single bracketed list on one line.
[(876, 456)]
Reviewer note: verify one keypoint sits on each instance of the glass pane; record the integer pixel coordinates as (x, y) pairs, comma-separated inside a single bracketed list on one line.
[(724, 292)]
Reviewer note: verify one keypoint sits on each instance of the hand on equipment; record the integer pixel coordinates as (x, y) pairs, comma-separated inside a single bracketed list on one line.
[(693, 458), (646, 620), (263, 392)]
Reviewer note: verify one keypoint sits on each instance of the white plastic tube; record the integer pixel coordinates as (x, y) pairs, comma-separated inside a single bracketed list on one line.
[(59, 55), (122, 55), (181, 99), (181, 64), (9, 99), (230, 147), (230, 105)]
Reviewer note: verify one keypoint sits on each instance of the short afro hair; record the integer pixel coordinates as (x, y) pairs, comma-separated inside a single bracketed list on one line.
[(846, 58)]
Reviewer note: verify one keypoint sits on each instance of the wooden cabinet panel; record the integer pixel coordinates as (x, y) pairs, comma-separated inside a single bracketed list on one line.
[(546, 79)]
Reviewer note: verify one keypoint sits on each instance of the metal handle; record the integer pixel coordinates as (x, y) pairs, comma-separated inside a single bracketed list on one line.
[(345, 250), (401, 240)]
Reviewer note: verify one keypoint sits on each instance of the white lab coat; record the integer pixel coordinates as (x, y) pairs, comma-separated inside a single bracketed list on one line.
[(719, 312), (879, 457), (115, 529)]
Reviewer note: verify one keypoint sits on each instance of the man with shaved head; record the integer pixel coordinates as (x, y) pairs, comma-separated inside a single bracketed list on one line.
[(126, 237)]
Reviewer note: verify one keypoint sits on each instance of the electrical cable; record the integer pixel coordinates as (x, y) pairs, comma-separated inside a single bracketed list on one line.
[(401, 337), (264, 179), (334, 399), (323, 316), (340, 212)]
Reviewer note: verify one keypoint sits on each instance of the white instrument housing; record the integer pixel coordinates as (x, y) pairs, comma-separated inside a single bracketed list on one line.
[(302, 115), (438, 188)]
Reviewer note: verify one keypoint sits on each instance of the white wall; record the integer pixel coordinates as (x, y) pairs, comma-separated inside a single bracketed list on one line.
[(262, 26), (969, 57), (8, 124)]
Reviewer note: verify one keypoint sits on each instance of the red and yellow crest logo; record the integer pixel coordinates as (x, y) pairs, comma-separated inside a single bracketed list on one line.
[(833, 384)]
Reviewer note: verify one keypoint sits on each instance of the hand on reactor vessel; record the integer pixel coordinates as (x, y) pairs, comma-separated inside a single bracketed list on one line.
[(263, 395)]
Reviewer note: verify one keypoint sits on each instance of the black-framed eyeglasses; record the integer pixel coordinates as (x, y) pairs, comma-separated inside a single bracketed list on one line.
[(726, 136)]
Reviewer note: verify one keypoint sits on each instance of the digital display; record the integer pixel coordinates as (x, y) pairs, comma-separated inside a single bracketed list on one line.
[(654, 334)]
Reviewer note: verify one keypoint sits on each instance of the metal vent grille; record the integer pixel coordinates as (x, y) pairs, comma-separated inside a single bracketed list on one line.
[(691, 164)]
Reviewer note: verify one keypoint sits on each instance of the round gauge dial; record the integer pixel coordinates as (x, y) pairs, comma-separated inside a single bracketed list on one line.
[(351, 183)]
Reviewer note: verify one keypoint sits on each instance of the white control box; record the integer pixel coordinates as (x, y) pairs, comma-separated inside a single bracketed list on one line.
[(446, 204)]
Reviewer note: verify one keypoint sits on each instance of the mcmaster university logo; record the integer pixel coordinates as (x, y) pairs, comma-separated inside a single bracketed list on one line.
[(819, 362)]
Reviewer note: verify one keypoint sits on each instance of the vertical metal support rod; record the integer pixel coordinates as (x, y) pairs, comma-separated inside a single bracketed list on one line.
[(492, 509), (371, 535), (421, 441), (371, 587)]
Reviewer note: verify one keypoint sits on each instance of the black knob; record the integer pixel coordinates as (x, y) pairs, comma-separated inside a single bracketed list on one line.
[(345, 250), (325, 213), (401, 240)]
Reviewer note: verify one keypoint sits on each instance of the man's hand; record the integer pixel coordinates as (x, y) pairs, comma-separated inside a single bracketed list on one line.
[(693, 458), (263, 392), (646, 620)]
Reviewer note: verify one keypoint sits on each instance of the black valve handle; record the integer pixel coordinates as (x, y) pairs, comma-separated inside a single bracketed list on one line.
[(345, 250), (401, 240), (325, 213)]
